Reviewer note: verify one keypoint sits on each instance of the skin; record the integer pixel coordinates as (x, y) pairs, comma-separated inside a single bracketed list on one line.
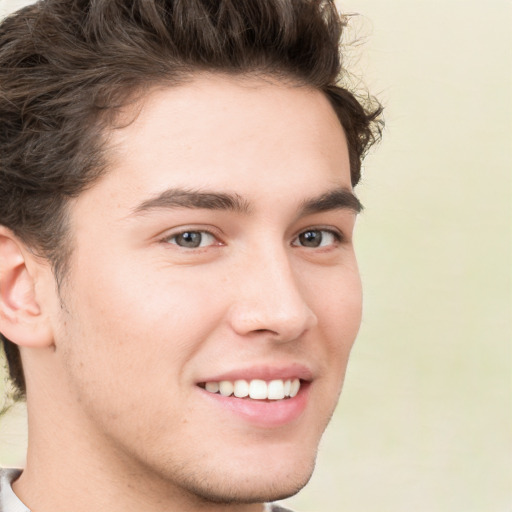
[(139, 321)]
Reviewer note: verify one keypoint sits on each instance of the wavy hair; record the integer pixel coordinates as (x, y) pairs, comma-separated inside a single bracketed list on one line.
[(68, 66)]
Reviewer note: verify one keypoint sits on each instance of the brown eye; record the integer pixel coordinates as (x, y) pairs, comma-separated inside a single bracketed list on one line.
[(311, 238), (315, 238)]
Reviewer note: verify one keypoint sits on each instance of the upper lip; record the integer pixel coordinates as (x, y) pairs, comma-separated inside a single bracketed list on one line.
[(264, 372)]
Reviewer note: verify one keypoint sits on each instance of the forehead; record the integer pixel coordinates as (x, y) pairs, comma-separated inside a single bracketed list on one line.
[(246, 135)]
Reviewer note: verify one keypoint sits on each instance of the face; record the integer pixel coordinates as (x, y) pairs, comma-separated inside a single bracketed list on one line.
[(214, 259)]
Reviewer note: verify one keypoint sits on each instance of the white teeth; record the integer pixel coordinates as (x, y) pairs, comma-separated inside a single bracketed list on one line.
[(294, 388), (256, 389), (241, 388), (275, 390), (226, 388)]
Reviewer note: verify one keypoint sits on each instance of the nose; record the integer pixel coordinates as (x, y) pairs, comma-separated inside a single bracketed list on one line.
[(269, 300)]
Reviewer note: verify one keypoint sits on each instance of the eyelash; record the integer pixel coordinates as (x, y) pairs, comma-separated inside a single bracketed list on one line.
[(337, 238), (202, 232)]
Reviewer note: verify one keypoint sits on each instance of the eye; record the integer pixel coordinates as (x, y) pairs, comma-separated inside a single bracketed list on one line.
[(192, 239), (315, 238)]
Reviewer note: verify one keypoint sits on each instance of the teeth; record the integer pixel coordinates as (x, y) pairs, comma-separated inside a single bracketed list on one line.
[(212, 387), (226, 388), (256, 389), (294, 388), (275, 390), (241, 388)]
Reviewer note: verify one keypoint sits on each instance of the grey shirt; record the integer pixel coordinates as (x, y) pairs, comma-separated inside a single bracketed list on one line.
[(9, 502)]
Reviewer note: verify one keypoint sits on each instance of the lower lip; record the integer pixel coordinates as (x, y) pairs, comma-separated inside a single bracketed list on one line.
[(263, 413)]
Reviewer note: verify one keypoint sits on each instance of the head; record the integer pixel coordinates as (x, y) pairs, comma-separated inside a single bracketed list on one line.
[(130, 110)]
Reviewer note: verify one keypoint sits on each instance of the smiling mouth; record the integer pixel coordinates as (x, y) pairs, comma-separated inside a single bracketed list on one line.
[(255, 389)]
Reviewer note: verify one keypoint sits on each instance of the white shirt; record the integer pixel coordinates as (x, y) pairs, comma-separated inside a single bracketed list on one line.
[(9, 502)]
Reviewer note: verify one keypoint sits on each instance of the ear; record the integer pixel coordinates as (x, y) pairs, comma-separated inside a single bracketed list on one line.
[(21, 318)]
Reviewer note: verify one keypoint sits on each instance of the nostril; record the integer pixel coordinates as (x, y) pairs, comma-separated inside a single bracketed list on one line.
[(281, 319)]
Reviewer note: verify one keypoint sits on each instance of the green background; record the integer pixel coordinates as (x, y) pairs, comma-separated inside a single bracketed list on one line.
[(425, 418)]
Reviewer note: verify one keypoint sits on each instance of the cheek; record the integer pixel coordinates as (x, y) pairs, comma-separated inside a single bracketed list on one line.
[(338, 306), (131, 322), (172, 316), (128, 342), (339, 317)]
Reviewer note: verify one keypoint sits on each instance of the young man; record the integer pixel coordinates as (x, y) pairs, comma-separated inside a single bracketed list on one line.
[(178, 287)]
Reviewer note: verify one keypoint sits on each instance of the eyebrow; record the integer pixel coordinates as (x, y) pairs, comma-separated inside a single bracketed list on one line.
[(182, 198), (339, 198)]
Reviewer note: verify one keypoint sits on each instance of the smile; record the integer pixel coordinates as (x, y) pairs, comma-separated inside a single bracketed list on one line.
[(255, 389)]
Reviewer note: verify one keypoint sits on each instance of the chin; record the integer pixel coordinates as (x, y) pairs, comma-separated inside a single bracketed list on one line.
[(271, 480), (253, 489)]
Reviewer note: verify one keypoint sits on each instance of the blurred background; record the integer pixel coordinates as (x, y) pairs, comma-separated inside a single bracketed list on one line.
[(425, 419)]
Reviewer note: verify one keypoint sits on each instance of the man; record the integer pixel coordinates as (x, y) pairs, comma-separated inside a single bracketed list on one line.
[(178, 287)]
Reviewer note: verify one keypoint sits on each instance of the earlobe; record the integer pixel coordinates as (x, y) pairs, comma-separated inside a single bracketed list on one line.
[(21, 318)]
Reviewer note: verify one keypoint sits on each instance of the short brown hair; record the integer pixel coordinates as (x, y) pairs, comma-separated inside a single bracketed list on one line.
[(66, 66)]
